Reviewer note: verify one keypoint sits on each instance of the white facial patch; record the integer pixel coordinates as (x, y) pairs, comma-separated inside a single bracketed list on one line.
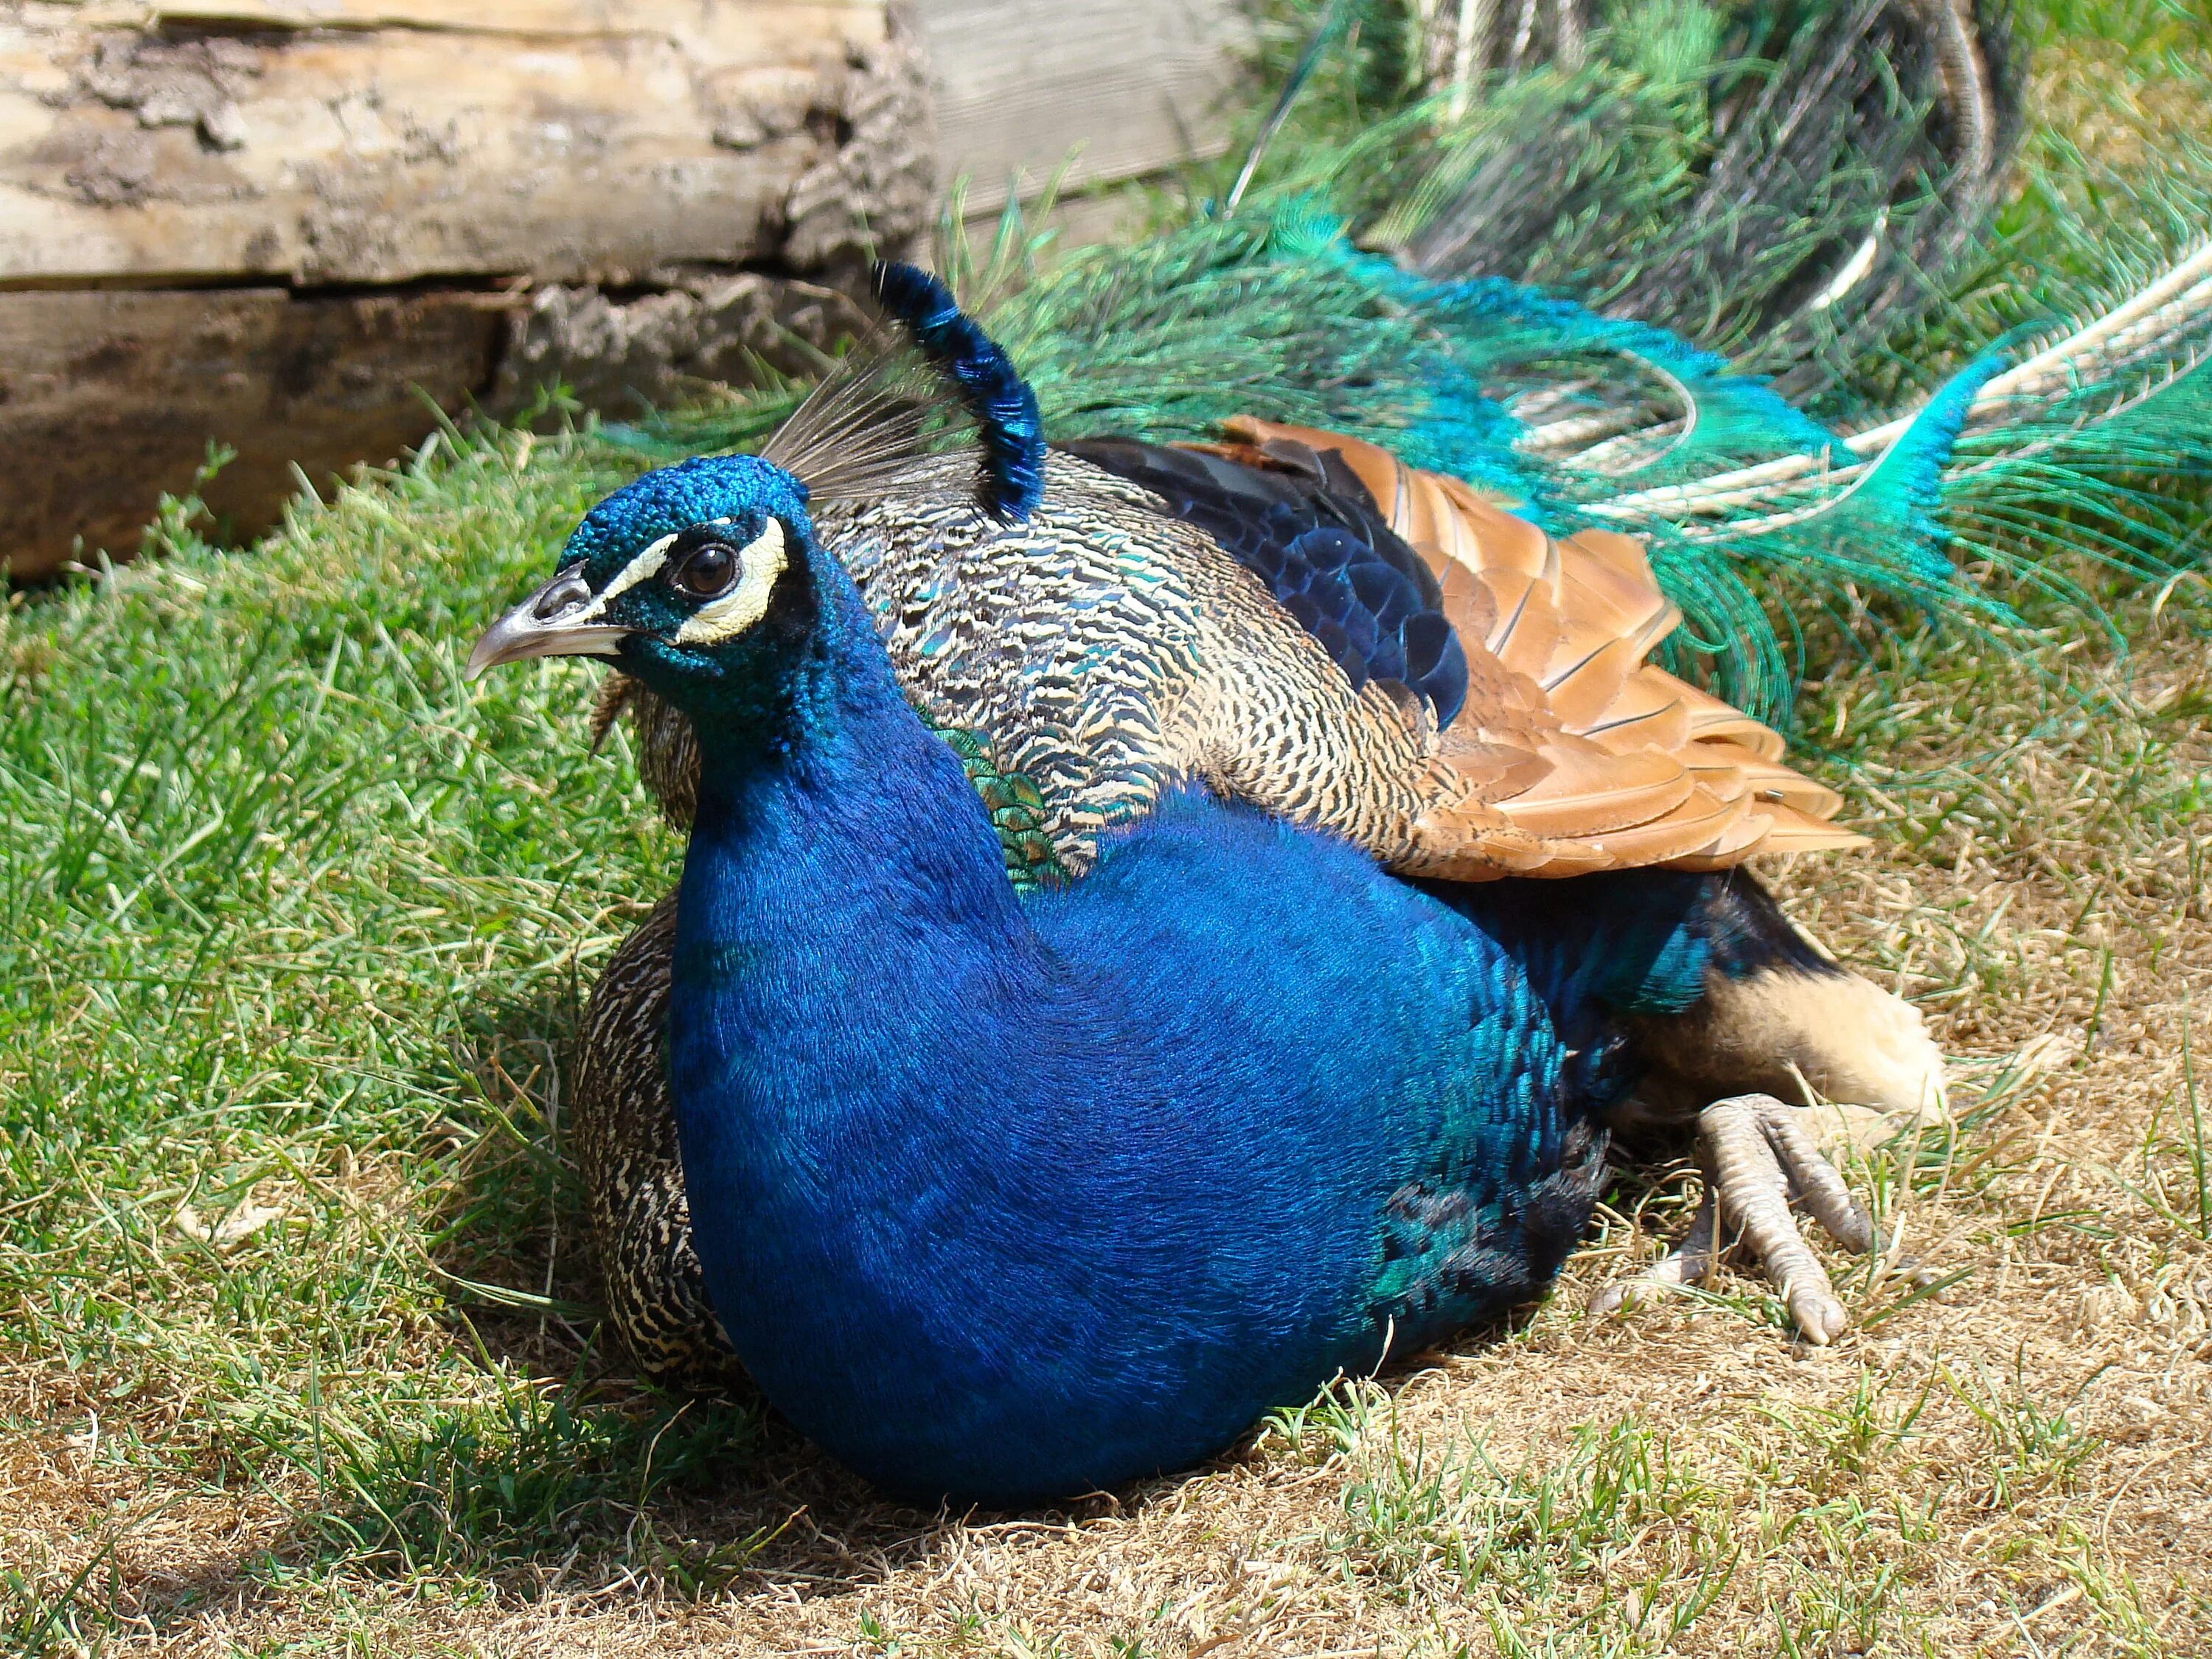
[(758, 566), (646, 564)]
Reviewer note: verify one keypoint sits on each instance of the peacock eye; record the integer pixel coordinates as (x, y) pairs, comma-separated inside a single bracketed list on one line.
[(707, 572)]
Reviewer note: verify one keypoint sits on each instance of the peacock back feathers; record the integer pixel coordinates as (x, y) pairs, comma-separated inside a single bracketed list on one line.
[(1302, 621)]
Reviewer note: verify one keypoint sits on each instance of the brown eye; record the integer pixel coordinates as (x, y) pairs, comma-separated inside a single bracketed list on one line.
[(707, 572)]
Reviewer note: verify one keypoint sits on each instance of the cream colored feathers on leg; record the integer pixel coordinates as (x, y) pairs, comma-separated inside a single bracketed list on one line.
[(1808, 1035)]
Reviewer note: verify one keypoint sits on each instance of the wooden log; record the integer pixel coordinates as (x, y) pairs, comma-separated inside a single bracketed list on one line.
[(180, 186), (108, 399), (260, 150), (337, 141), (626, 358)]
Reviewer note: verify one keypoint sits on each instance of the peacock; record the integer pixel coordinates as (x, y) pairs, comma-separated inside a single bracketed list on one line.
[(1269, 1075), (1579, 737), (1198, 809)]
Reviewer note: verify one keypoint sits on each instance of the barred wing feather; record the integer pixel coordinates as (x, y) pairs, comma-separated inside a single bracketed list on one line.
[(1571, 753)]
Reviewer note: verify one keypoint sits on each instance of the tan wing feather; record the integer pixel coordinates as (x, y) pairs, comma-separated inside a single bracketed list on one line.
[(1590, 790), (1692, 827), (1769, 782), (1710, 719), (1648, 713), (1794, 832), (1583, 692), (1572, 753), (1784, 831)]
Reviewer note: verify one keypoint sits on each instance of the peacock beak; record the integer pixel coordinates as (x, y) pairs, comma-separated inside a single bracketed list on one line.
[(556, 621)]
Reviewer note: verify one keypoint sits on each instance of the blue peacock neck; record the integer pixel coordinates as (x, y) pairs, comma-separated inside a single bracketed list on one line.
[(842, 880), (855, 987)]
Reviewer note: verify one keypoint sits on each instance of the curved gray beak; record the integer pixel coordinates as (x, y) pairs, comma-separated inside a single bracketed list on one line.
[(546, 624)]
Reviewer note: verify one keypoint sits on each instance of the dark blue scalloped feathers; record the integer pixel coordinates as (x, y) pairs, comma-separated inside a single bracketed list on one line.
[(991, 388), (1326, 555)]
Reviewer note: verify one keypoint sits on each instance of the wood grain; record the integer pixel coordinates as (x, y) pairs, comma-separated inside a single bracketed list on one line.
[(577, 142), (108, 399), (1108, 89)]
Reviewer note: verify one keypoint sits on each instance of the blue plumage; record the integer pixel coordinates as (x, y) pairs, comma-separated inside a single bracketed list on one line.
[(1627, 942), (663, 502), (994, 391), (1006, 1198)]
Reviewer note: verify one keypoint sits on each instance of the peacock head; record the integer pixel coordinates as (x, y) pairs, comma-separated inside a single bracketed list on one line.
[(698, 579), (705, 580)]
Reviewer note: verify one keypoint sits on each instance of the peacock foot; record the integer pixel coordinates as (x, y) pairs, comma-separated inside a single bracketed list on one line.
[(1758, 1159)]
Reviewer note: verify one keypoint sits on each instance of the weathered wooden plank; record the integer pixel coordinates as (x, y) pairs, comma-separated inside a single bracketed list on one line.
[(339, 140), (1123, 87), (626, 358), (723, 30), (108, 399), (684, 133), (235, 145)]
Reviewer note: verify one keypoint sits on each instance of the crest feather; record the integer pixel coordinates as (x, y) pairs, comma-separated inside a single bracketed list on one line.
[(930, 375)]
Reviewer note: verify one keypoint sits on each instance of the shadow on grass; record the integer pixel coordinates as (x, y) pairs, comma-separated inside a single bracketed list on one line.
[(574, 1471), (557, 1469)]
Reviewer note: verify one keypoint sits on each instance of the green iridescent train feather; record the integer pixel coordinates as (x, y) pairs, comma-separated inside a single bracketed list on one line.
[(1358, 293)]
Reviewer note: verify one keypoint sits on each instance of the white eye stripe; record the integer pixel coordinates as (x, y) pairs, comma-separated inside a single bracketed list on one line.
[(644, 565), (759, 565)]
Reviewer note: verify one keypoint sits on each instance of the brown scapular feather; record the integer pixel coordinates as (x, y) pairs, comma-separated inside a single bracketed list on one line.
[(1572, 753)]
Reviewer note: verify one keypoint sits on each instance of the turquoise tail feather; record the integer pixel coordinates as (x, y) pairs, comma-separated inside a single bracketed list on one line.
[(1761, 518)]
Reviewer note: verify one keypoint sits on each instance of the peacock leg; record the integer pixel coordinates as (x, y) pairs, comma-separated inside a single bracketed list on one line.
[(1758, 1160)]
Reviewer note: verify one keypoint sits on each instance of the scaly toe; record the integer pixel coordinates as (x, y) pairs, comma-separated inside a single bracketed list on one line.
[(1820, 1319), (1689, 1262), (1747, 1141)]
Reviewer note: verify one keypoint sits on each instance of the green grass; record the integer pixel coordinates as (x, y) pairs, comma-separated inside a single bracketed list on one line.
[(291, 917)]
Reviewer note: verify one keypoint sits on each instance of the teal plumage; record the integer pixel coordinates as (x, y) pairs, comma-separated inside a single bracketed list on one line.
[(1750, 509)]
